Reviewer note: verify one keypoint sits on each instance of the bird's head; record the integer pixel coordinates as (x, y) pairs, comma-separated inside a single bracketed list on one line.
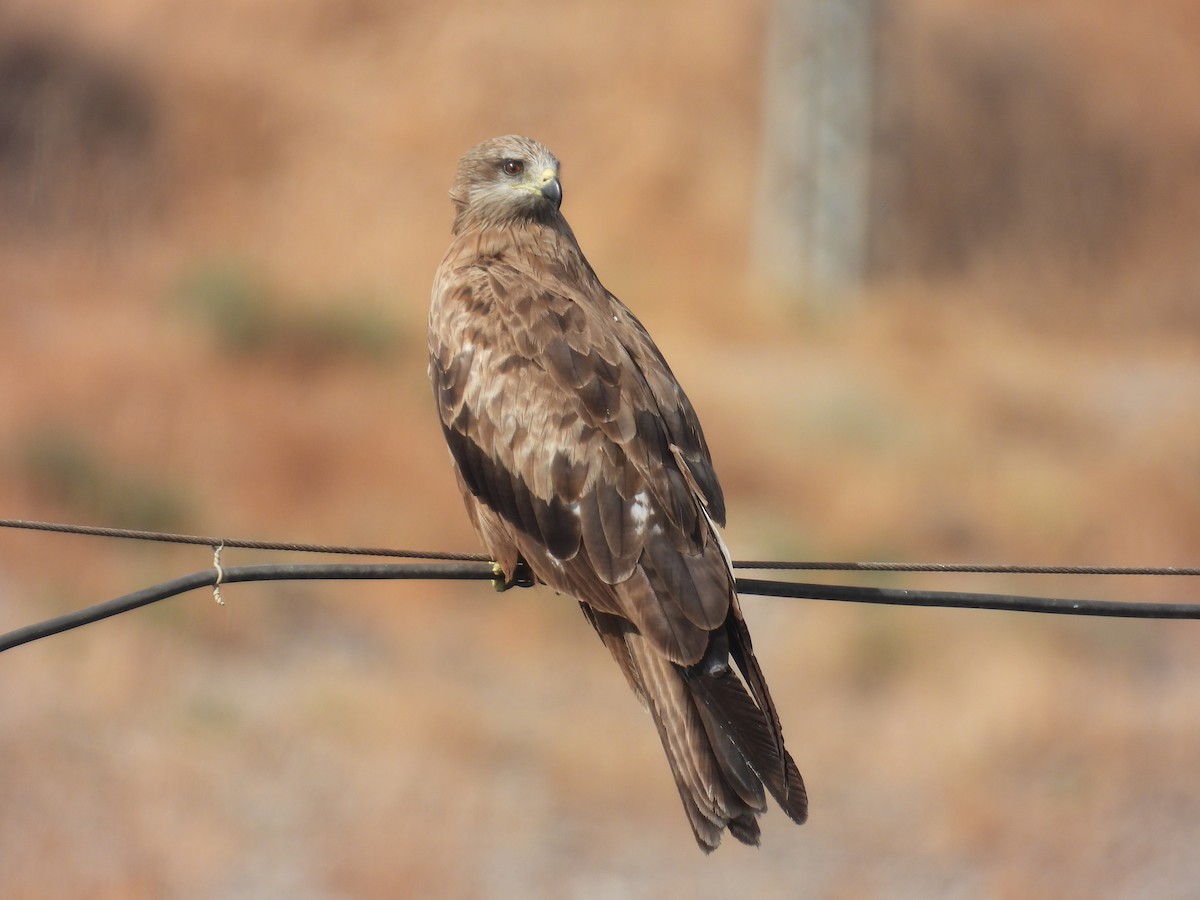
[(506, 179)]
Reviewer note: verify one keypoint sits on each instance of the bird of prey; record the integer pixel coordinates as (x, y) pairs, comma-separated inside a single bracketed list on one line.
[(583, 465)]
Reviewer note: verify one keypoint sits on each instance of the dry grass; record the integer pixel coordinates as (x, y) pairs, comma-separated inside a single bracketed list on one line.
[(427, 740)]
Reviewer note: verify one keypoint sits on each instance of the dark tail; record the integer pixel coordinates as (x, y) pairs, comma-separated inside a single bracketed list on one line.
[(722, 741)]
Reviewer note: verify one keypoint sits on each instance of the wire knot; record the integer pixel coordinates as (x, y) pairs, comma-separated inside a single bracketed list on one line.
[(220, 573)]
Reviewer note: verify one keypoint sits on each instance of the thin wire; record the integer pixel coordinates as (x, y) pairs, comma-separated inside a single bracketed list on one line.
[(230, 575), (483, 571), (962, 600), (967, 568), (475, 566), (288, 546)]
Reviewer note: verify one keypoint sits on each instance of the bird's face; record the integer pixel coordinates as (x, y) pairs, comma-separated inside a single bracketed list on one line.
[(508, 178), (521, 174)]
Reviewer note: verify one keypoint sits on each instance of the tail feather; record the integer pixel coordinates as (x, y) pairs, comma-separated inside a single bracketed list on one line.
[(722, 741), (733, 763), (741, 648), (727, 701), (711, 775), (722, 737)]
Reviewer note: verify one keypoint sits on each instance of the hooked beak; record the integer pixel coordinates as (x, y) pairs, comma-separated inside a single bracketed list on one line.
[(551, 189)]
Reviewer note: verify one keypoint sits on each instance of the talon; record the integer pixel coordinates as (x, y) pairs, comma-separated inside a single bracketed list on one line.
[(522, 576)]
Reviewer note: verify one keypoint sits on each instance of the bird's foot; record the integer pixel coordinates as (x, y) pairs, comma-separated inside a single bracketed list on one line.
[(522, 576)]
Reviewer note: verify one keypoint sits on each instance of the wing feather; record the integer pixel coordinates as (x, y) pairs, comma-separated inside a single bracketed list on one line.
[(616, 428), (612, 535), (643, 599)]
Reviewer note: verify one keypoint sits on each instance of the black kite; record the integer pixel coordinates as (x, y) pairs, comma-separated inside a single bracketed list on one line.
[(581, 458)]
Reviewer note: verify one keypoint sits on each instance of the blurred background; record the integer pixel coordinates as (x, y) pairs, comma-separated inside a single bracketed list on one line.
[(929, 270)]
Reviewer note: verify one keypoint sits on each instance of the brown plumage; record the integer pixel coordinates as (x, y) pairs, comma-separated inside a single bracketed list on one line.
[(580, 456)]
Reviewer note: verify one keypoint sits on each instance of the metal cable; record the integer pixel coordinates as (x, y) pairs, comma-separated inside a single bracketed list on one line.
[(291, 546)]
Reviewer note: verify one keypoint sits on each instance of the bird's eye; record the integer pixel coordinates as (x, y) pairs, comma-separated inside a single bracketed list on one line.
[(513, 167)]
